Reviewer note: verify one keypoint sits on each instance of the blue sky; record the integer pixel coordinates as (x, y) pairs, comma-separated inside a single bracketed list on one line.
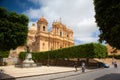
[(18, 6), (75, 14)]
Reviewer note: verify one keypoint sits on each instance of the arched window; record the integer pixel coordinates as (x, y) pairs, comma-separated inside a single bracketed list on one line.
[(43, 28), (60, 46), (67, 35), (60, 34)]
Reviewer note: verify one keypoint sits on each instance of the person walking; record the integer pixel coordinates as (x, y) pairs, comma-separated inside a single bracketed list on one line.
[(115, 64), (75, 65), (83, 67)]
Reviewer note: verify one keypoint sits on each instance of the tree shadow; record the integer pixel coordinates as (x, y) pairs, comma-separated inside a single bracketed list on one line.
[(4, 76), (112, 76)]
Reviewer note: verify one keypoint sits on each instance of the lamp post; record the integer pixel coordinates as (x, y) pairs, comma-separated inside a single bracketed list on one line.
[(48, 64), (48, 60)]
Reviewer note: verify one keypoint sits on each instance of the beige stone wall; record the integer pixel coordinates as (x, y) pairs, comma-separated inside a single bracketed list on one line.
[(43, 45), (15, 53), (110, 50)]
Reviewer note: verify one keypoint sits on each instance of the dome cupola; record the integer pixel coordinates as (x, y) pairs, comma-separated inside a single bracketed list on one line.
[(42, 20)]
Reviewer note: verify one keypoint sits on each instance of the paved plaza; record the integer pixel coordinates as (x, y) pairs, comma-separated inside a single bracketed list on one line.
[(56, 73), (16, 72)]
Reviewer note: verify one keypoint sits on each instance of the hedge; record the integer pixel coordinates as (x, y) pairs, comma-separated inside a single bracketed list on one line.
[(90, 50)]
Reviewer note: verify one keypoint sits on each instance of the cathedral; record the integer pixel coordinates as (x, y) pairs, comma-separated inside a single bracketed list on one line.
[(40, 39)]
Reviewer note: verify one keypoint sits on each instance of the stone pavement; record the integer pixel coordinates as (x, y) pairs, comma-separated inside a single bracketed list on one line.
[(11, 72)]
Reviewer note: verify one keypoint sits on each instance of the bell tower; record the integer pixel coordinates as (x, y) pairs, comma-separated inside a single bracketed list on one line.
[(41, 37), (42, 25)]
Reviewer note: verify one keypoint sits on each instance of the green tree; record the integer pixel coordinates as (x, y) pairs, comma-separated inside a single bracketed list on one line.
[(108, 20), (13, 29)]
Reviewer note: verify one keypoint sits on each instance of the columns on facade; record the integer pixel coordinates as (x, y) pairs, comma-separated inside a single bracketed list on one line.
[(55, 31), (55, 45)]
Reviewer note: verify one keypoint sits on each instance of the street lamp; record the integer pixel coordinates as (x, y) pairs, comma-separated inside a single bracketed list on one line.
[(48, 50)]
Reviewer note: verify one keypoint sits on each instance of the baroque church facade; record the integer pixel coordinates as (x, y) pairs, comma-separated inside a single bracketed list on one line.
[(40, 39)]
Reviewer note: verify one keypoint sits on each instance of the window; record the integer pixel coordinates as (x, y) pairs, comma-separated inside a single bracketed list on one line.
[(67, 35), (60, 34), (60, 46), (43, 45), (43, 28)]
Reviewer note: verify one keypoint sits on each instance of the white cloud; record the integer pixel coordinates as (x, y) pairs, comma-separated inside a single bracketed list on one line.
[(32, 22), (78, 14)]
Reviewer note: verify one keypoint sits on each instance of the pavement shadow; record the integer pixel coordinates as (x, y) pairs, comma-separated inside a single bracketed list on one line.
[(92, 67), (4, 76), (112, 76)]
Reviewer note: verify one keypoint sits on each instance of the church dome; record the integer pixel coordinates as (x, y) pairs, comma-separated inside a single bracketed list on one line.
[(33, 27), (42, 19)]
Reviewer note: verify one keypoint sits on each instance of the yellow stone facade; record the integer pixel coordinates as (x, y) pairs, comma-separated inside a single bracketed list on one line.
[(40, 39)]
